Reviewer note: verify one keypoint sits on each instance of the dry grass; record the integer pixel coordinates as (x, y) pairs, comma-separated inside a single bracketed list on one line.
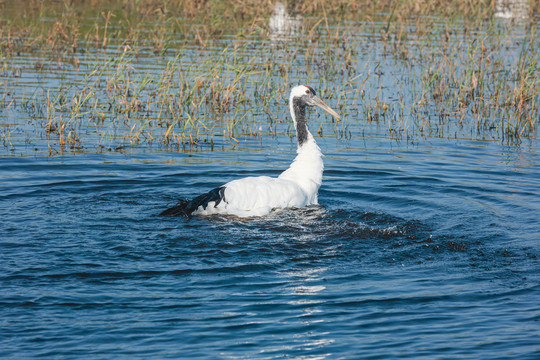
[(181, 73)]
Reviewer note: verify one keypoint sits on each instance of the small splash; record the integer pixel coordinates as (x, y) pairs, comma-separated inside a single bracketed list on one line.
[(512, 9), (283, 26)]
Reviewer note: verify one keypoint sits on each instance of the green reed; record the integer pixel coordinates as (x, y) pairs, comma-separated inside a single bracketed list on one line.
[(167, 73)]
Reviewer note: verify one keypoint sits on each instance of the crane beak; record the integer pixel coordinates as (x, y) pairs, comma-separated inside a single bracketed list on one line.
[(318, 102)]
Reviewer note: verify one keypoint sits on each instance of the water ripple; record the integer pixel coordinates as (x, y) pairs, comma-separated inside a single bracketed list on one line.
[(399, 260)]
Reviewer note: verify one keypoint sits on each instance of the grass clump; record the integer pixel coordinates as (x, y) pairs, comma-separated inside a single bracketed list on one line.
[(95, 76)]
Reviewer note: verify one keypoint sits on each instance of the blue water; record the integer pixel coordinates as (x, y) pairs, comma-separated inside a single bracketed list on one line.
[(418, 250)]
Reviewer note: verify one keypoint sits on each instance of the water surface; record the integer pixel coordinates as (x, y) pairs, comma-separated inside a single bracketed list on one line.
[(415, 251)]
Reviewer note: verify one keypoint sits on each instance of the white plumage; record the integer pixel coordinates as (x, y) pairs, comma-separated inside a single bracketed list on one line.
[(296, 187)]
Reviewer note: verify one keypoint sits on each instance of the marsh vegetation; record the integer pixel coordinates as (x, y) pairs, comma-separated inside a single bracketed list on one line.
[(92, 76)]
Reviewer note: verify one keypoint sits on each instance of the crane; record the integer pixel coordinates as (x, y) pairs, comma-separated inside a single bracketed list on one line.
[(296, 187)]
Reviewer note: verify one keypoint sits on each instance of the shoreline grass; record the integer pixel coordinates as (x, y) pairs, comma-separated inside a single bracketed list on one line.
[(88, 77)]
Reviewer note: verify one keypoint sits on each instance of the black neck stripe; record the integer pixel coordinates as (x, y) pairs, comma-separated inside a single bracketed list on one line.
[(299, 108)]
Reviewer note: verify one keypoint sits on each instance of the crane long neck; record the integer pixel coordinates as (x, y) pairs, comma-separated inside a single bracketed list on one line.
[(298, 112), (307, 168)]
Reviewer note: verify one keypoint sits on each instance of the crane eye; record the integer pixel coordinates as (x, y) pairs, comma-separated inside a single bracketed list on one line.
[(307, 91)]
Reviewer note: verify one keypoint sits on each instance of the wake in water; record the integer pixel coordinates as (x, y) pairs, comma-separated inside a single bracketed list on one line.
[(377, 237)]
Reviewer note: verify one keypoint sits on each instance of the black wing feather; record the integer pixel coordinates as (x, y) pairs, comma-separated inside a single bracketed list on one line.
[(186, 208)]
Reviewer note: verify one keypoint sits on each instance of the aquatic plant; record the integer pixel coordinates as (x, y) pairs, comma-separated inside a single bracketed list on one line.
[(185, 74)]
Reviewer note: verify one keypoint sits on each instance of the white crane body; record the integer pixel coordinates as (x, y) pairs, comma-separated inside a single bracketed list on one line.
[(296, 187)]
